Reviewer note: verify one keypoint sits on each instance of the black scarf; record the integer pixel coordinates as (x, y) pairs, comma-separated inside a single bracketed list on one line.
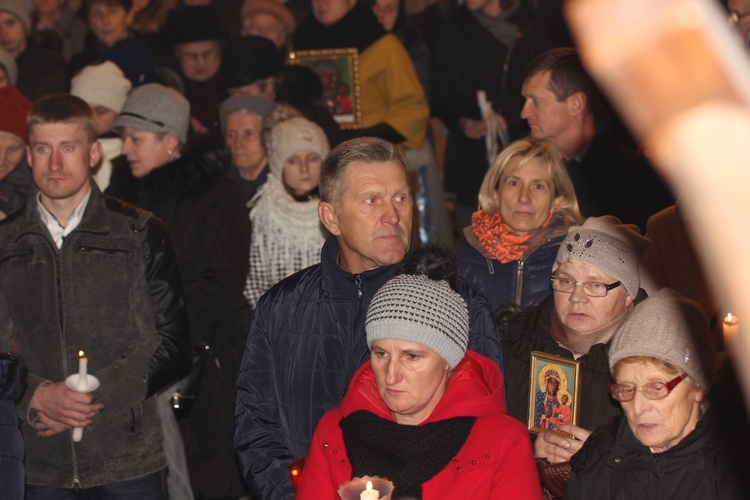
[(407, 455), (358, 28)]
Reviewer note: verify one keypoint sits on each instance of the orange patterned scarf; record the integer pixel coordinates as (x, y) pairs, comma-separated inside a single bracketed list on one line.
[(496, 238)]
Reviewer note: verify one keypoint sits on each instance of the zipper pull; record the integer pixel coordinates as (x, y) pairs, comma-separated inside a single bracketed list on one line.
[(358, 282)]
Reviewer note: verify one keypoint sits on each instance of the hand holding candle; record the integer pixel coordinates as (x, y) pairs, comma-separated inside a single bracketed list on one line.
[(731, 329), (81, 382)]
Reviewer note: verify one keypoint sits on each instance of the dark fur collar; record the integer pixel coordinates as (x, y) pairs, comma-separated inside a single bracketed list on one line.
[(203, 157)]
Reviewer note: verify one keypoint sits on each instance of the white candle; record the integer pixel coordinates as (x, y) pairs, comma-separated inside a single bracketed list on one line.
[(369, 493), (731, 329), (83, 379)]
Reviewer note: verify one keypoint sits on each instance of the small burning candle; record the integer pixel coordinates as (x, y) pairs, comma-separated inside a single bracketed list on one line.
[(369, 493), (83, 365), (731, 329)]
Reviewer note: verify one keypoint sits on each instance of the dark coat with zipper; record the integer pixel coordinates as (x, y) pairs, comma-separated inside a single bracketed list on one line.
[(12, 385), (614, 465), (112, 290), (525, 281), (205, 214), (469, 58), (306, 342)]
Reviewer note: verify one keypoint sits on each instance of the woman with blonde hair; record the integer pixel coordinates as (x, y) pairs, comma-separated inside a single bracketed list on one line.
[(526, 204)]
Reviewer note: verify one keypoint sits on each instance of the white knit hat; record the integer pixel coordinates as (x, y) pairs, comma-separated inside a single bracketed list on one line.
[(102, 85), (291, 136), (419, 309)]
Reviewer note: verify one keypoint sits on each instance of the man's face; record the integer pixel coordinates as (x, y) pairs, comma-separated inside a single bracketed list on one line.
[(61, 159), (108, 22), (329, 12), (387, 12), (12, 34), (12, 149), (199, 61), (547, 117), (265, 25), (373, 218)]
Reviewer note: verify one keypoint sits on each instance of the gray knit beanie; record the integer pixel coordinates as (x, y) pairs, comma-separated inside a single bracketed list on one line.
[(21, 10), (155, 108), (418, 309), (291, 136), (671, 328), (102, 85), (608, 245), (8, 63), (253, 104)]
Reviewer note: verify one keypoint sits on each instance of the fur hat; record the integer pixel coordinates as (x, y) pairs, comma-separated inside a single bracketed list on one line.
[(21, 10), (422, 307), (249, 59), (8, 63), (101, 85), (671, 328), (155, 108), (258, 105), (14, 107), (272, 7), (288, 137), (608, 245)]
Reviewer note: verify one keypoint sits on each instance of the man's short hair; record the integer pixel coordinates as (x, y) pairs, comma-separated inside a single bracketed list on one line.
[(87, 4), (362, 150), (567, 75), (63, 108)]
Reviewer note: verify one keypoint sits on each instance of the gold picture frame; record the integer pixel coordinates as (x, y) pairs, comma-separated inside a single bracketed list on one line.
[(338, 70), (554, 392)]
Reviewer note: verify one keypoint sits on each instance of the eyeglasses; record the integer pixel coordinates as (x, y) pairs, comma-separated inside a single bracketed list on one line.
[(590, 288), (651, 390), (735, 16)]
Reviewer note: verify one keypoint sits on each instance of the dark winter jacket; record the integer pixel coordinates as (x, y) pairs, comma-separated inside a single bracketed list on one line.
[(205, 214), (12, 385), (461, 68), (39, 73), (305, 344), (496, 458), (113, 291), (528, 331), (14, 188), (614, 465), (524, 282)]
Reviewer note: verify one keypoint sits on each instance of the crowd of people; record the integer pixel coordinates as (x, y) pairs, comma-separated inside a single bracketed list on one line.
[(253, 286)]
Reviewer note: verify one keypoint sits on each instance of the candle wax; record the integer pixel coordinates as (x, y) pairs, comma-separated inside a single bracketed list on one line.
[(83, 363), (369, 493)]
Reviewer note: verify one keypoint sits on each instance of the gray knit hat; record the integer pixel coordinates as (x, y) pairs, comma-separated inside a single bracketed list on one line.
[(288, 137), (420, 310), (671, 328), (8, 63), (155, 108), (20, 9), (607, 244), (254, 104), (102, 85)]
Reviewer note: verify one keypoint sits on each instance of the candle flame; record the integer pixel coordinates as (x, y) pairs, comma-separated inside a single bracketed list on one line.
[(369, 485), (729, 318), (81, 354)]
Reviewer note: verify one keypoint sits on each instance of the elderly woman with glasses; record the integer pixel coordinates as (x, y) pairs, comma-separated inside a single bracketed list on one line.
[(595, 283), (669, 442)]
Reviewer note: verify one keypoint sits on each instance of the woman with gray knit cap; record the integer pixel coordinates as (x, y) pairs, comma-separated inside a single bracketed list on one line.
[(424, 412), (595, 283), (287, 234), (669, 442)]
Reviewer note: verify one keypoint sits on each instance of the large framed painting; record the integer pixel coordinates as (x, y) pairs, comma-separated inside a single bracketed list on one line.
[(338, 69), (554, 392)]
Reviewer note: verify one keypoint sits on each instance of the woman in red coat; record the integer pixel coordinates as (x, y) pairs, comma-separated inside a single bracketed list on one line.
[(423, 412)]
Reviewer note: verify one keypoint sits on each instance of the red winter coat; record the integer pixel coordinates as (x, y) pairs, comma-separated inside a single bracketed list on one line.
[(495, 462)]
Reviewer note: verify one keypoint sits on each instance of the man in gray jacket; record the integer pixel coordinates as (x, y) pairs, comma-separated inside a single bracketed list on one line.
[(79, 272)]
